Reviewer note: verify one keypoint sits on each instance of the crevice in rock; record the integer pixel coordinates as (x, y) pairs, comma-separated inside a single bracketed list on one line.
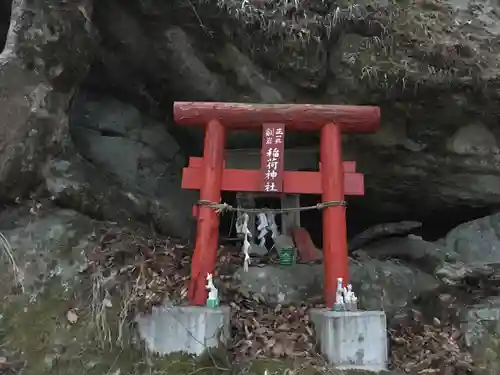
[(434, 226), (142, 64), (110, 133), (143, 162), (5, 11), (149, 96)]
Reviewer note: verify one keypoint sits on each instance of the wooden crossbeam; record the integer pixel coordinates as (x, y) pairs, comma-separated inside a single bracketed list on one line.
[(305, 117), (196, 162), (293, 182)]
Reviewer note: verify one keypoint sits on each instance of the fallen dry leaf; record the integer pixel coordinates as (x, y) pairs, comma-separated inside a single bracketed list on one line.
[(159, 268), (72, 316)]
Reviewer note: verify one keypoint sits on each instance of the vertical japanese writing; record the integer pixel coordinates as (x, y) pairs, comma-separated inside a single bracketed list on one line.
[(272, 162)]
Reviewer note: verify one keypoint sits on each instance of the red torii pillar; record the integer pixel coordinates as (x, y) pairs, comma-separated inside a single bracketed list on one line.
[(330, 120)]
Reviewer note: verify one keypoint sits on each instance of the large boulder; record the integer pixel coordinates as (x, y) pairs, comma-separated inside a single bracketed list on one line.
[(473, 249), (477, 241), (142, 162), (38, 76), (412, 249), (42, 257), (390, 286), (437, 149), (58, 315), (481, 330)]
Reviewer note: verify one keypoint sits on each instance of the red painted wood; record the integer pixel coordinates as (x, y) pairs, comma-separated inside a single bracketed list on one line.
[(306, 117), (293, 182), (335, 179), (335, 259), (349, 166), (272, 157), (304, 244), (207, 232), (196, 162)]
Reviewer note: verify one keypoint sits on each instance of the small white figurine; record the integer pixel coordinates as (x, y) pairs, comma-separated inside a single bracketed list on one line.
[(350, 299), (213, 293), (339, 296), (349, 294)]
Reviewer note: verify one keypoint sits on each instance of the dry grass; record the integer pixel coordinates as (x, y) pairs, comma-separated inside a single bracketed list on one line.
[(403, 46), (130, 273), (6, 249), (137, 272), (99, 310)]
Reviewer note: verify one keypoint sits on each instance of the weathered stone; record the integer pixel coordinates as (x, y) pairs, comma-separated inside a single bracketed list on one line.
[(283, 284), (421, 163), (388, 286), (144, 161), (61, 321), (380, 231), (38, 75), (473, 253), (164, 330), (456, 273), (481, 329), (75, 183), (412, 249), (47, 245), (4, 21), (355, 340), (476, 242)]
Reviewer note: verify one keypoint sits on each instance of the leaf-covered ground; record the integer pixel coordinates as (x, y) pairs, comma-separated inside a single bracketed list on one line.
[(154, 269)]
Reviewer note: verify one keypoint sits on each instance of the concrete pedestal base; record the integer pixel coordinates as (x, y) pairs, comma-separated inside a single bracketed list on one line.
[(352, 339), (186, 329)]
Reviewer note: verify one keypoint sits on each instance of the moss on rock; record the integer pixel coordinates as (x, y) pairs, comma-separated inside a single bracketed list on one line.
[(52, 319)]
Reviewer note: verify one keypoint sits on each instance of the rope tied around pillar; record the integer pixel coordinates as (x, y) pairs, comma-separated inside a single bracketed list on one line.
[(220, 208)]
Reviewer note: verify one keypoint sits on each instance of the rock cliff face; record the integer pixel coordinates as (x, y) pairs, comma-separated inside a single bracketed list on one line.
[(431, 65), (86, 93), (39, 76)]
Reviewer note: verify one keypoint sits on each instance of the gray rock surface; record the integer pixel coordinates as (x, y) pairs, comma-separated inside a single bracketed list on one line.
[(476, 242), (38, 76), (140, 154), (481, 330), (427, 256), (473, 252), (381, 231), (437, 149), (49, 246), (56, 315), (388, 286)]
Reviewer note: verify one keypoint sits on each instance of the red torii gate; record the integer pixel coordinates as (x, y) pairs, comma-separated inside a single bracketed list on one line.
[(334, 180)]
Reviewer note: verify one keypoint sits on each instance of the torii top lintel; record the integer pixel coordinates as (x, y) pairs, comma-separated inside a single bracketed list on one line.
[(305, 117)]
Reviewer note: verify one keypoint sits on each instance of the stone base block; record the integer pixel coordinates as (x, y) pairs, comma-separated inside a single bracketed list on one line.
[(352, 339), (186, 329)]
